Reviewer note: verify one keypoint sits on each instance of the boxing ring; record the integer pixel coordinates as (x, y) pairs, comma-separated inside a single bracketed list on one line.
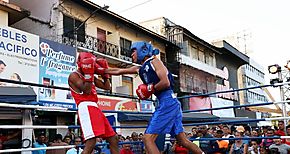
[(35, 106)]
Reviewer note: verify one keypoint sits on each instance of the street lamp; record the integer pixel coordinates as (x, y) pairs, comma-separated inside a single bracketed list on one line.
[(273, 69)]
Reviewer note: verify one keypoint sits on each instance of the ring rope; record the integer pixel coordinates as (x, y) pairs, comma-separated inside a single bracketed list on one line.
[(235, 90), (130, 112), (65, 88), (190, 124), (137, 142), (34, 149), (236, 106)]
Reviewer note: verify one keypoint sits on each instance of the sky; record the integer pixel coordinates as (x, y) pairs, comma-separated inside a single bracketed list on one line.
[(265, 23)]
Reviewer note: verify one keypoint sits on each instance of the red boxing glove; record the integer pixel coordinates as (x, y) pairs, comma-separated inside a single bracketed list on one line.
[(88, 68), (145, 91), (103, 66), (99, 70)]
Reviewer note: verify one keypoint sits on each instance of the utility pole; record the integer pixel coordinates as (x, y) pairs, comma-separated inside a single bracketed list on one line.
[(282, 95)]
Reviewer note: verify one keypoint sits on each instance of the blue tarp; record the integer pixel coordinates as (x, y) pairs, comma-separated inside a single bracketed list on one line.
[(22, 95)]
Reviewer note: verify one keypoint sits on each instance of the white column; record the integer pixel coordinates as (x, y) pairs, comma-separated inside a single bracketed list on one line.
[(27, 133)]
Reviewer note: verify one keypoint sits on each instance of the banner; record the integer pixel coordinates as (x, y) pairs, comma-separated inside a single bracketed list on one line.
[(19, 56), (56, 62), (117, 104), (219, 102), (147, 106)]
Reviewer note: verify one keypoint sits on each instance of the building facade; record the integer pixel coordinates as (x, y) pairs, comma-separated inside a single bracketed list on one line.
[(86, 26)]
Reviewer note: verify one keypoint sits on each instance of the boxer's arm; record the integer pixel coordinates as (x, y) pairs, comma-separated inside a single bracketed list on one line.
[(105, 84), (161, 72), (78, 85), (120, 71)]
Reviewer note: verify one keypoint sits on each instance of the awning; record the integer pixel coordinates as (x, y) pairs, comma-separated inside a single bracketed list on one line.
[(17, 95), (187, 117)]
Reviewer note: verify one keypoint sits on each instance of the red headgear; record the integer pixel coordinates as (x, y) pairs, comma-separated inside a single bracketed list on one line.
[(84, 55)]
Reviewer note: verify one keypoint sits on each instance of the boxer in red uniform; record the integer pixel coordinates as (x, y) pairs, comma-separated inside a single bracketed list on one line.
[(83, 85)]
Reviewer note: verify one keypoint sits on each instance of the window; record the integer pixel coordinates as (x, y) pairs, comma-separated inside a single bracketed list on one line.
[(125, 47), (201, 56), (69, 26), (128, 81), (163, 57), (209, 59), (194, 52)]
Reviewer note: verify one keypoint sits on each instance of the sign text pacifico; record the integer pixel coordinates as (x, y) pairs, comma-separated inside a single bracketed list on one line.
[(14, 41)]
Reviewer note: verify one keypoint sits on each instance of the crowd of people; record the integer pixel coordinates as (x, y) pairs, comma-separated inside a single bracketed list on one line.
[(133, 144)]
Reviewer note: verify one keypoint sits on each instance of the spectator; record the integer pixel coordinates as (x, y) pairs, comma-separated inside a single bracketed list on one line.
[(265, 129), (169, 146), (58, 142), (194, 131), (71, 134), (136, 148), (280, 131), (68, 140), (198, 135), (223, 145), (178, 149), (279, 147), (99, 148), (254, 147), (1, 144), (126, 148), (267, 142), (77, 149), (207, 146), (10, 138), (140, 136), (189, 135), (227, 132), (121, 139), (241, 130), (254, 133), (239, 147), (40, 142), (287, 140)]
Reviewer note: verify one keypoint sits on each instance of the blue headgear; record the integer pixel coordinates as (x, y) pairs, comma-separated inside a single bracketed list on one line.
[(143, 49)]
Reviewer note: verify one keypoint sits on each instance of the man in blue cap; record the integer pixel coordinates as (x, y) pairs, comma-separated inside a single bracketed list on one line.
[(157, 80)]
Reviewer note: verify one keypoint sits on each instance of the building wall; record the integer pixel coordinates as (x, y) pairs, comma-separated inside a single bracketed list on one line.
[(156, 25), (196, 81), (42, 12), (223, 61), (4, 18), (49, 25), (251, 75)]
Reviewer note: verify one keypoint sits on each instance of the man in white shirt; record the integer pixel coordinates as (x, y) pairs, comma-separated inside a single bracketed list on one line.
[(226, 132), (76, 150)]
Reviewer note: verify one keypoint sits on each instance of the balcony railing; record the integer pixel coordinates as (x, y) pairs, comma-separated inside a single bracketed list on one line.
[(126, 54), (95, 44)]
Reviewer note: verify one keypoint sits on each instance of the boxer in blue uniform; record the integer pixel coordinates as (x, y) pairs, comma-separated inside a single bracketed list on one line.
[(157, 80)]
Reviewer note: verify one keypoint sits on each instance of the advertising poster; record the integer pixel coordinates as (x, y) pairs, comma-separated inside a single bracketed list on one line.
[(219, 102), (147, 106), (19, 56), (116, 103), (56, 62), (197, 103)]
